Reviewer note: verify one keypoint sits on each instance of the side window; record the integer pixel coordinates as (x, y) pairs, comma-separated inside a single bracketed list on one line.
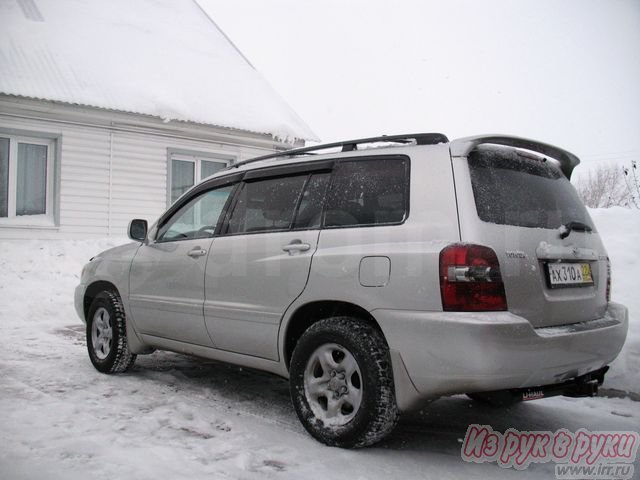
[(266, 205), (310, 209), (368, 192), (196, 219)]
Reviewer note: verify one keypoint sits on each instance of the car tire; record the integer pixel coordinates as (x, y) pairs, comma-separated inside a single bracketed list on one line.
[(341, 383), (107, 334)]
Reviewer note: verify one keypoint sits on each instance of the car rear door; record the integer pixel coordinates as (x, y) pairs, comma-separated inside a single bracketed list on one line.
[(522, 205), (260, 264)]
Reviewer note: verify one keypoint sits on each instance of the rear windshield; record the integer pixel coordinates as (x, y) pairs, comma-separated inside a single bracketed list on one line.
[(513, 189)]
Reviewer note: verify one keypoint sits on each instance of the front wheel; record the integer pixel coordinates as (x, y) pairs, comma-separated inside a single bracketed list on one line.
[(342, 383), (107, 334)]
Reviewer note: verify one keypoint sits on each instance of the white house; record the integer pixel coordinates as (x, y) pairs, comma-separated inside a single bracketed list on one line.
[(109, 110)]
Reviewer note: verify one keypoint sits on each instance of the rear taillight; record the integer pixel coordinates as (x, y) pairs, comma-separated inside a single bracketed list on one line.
[(470, 279), (608, 280)]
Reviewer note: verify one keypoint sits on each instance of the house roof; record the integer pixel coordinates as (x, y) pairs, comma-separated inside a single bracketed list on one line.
[(164, 58)]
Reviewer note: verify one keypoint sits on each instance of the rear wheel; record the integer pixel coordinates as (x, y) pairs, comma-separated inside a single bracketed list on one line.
[(342, 383), (107, 334)]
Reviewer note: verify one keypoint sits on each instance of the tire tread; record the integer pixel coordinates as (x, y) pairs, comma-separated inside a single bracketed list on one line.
[(371, 342), (123, 359)]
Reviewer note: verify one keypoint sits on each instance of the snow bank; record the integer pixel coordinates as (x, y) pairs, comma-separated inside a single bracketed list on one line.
[(49, 271), (620, 231)]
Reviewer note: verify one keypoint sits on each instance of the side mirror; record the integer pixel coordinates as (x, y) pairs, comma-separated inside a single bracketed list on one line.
[(138, 230)]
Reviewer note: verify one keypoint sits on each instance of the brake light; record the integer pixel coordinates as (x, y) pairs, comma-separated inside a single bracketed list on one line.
[(608, 280), (470, 279)]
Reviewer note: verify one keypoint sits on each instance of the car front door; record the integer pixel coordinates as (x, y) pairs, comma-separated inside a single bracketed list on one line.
[(260, 265), (167, 273)]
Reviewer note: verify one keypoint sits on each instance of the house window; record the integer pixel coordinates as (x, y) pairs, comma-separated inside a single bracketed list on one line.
[(26, 179), (187, 170)]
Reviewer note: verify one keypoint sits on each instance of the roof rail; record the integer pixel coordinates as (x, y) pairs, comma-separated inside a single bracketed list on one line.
[(352, 145)]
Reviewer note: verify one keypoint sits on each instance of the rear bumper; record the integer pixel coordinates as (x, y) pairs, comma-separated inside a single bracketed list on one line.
[(445, 353)]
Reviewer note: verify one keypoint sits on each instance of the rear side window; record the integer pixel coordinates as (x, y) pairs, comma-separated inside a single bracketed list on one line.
[(266, 205), (513, 189), (368, 192)]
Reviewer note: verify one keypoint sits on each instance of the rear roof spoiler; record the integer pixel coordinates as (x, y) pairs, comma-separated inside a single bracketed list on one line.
[(463, 146)]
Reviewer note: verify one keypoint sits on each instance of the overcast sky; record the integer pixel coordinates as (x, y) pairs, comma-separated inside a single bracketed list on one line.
[(565, 72)]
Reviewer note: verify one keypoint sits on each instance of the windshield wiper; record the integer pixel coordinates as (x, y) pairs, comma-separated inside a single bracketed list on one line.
[(574, 226)]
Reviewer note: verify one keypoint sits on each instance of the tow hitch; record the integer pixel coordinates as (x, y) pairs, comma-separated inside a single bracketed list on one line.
[(582, 386)]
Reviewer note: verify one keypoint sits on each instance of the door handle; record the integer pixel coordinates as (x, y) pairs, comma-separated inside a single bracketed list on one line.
[(296, 246), (197, 252)]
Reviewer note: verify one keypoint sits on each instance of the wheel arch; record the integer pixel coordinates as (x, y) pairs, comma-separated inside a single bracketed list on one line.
[(306, 315), (94, 289)]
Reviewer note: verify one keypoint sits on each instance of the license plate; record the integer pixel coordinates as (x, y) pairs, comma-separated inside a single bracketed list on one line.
[(564, 274)]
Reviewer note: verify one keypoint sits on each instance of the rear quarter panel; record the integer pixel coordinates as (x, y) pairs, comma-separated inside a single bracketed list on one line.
[(413, 248)]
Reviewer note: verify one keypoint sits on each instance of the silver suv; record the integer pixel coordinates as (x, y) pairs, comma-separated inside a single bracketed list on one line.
[(375, 279)]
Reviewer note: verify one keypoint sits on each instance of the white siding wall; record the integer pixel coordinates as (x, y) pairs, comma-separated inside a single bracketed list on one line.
[(84, 180), (109, 176)]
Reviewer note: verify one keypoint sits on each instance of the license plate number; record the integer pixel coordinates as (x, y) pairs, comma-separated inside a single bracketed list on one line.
[(566, 274)]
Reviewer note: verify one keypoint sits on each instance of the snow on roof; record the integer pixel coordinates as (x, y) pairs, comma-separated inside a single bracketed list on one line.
[(165, 58)]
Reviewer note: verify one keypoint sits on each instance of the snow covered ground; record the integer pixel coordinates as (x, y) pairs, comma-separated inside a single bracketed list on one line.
[(178, 417)]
